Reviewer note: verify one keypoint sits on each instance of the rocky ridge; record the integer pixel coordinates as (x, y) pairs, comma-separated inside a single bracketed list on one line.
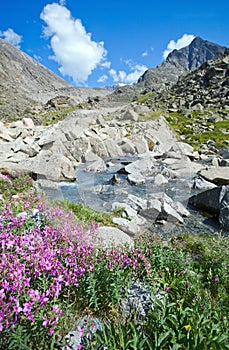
[(26, 85), (180, 62), (205, 88)]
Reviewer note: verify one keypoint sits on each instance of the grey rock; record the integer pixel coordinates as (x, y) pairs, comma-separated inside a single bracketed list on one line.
[(160, 180), (214, 201), (200, 183), (224, 152), (79, 335), (136, 203), (55, 167), (152, 211), (209, 200), (129, 115), (28, 123), (112, 236), (224, 211), (136, 179), (224, 162), (182, 147), (140, 144), (180, 209), (98, 166), (143, 166), (131, 227), (217, 175), (89, 156), (127, 147), (169, 214), (107, 148), (138, 302)]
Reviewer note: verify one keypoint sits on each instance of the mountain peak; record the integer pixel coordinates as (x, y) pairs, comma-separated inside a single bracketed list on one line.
[(180, 62)]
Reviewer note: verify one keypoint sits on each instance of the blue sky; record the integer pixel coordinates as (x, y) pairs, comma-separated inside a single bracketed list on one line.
[(98, 43)]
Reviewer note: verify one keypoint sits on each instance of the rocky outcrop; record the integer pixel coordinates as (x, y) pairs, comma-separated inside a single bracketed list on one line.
[(53, 152), (180, 62), (206, 87)]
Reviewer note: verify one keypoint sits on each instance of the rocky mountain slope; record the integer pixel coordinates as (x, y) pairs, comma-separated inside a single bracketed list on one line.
[(25, 83), (197, 106), (180, 62), (207, 87)]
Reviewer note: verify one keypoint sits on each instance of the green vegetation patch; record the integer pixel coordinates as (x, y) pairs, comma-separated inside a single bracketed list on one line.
[(53, 117), (196, 129), (152, 115), (141, 99), (87, 215)]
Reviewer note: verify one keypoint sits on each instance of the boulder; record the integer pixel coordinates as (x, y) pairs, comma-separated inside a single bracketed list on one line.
[(182, 147), (54, 167), (107, 148), (208, 201), (112, 236), (89, 156), (127, 147), (160, 180), (140, 144), (224, 211), (180, 209), (136, 203), (217, 175), (136, 179), (98, 166), (214, 201), (143, 166), (199, 183), (131, 227), (129, 115), (169, 214), (152, 211), (28, 123)]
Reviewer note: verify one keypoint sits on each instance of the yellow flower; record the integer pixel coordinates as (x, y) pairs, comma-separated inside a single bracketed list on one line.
[(188, 327)]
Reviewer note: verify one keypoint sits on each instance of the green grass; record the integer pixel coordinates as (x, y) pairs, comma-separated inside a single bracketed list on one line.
[(150, 116), (87, 215), (141, 99), (52, 117), (186, 126)]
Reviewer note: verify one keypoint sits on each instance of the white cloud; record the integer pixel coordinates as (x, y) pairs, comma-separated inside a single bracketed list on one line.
[(74, 50), (185, 40), (12, 37), (62, 2), (136, 70), (106, 64), (145, 54), (102, 78)]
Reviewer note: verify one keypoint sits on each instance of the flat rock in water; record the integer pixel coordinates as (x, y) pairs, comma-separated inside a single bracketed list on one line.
[(136, 179)]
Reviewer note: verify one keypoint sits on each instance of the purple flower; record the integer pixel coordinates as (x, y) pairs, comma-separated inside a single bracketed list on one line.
[(216, 278), (45, 322)]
